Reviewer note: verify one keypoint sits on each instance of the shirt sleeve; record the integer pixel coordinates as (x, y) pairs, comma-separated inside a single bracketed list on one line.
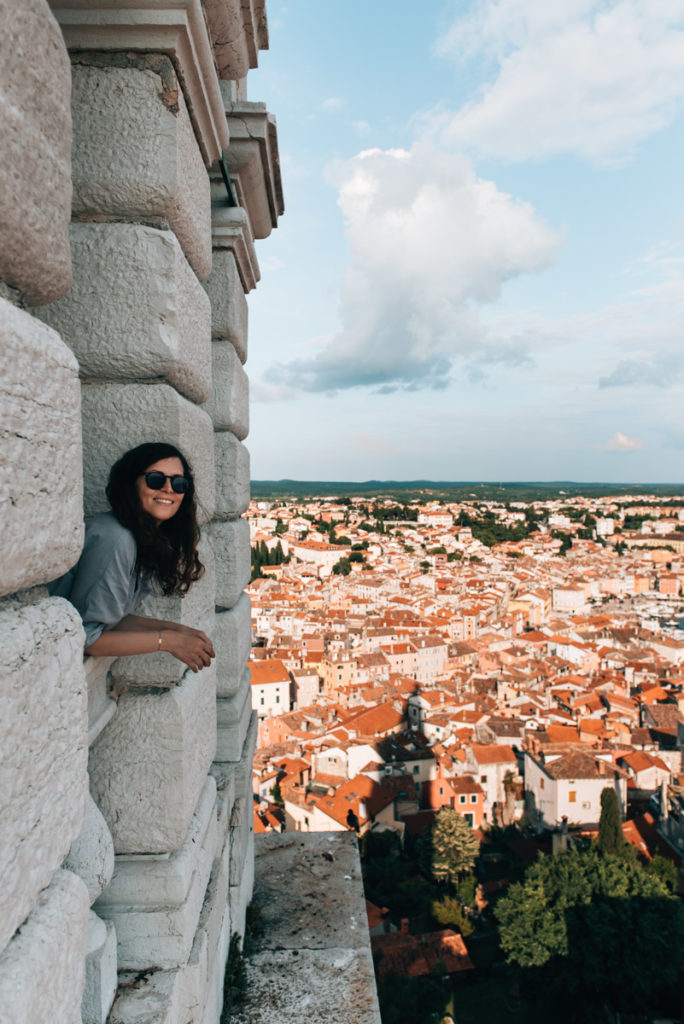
[(104, 582)]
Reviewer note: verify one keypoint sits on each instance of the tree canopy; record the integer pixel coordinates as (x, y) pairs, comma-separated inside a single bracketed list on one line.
[(449, 847)]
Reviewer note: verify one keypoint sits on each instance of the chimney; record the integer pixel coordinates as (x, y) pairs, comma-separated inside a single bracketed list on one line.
[(404, 926)]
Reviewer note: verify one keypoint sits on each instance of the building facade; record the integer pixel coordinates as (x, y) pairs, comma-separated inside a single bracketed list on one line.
[(135, 176)]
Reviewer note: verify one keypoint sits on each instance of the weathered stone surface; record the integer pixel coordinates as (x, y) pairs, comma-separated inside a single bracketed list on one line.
[(177, 29), (229, 402), (91, 856), (42, 970), (196, 610), (238, 30), (101, 980), (203, 962), (40, 433), (315, 941), (230, 541), (148, 998), (233, 716), (155, 903), (232, 476), (148, 767), (43, 725), (231, 232), (135, 154), (232, 642), (101, 707), (153, 318), (254, 163), (117, 417), (229, 311), (240, 895), (35, 126), (151, 880)]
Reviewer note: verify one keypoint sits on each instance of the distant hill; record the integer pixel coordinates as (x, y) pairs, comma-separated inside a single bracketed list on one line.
[(408, 490)]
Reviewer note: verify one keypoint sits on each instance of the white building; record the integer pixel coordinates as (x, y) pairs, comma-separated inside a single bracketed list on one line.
[(569, 786)]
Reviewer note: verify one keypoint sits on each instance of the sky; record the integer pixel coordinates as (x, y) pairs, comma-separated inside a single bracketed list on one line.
[(479, 274)]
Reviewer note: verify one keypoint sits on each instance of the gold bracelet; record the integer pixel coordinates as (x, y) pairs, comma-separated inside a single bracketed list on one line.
[(159, 647)]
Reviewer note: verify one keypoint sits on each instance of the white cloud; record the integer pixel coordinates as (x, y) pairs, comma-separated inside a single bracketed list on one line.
[(362, 127), (332, 103), (589, 77), (429, 241), (622, 443)]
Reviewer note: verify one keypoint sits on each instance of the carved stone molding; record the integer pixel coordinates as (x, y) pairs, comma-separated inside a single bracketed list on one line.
[(230, 230), (254, 164), (176, 27), (238, 30)]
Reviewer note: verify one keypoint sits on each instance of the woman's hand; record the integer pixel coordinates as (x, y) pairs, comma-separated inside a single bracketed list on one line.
[(191, 646)]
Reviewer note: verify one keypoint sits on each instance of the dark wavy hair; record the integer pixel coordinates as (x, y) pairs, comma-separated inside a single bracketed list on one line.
[(167, 551)]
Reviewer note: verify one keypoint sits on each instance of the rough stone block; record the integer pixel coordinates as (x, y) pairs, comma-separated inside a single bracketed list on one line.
[(41, 507), (136, 309), (155, 903), (232, 476), (232, 641), (117, 417), (196, 610), (229, 311), (91, 856), (148, 767), (101, 975), (240, 895), (101, 707), (241, 828), (42, 969), (43, 725), (35, 126), (233, 716), (229, 402), (135, 154), (148, 998), (232, 551)]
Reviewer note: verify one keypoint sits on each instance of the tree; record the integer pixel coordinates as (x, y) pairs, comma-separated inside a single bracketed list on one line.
[(610, 837), (342, 568), (449, 848), (450, 914), (582, 920)]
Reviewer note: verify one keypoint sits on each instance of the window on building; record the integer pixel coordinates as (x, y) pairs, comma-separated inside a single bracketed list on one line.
[(262, 700), (277, 698), (416, 769), (483, 778), (462, 798), (541, 783), (469, 819), (572, 796), (441, 790), (473, 798)]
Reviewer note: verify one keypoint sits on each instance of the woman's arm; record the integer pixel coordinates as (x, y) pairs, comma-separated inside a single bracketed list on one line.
[(135, 634)]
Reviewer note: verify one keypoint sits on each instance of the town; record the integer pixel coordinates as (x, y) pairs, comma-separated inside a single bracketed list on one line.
[(509, 661)]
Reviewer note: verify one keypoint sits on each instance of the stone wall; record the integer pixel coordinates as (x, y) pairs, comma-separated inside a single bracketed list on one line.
[(126, 850)]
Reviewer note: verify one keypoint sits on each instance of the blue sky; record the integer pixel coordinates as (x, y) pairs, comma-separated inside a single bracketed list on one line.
[(479, 273)]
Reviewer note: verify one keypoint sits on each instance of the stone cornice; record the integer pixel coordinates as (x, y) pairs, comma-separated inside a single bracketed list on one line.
[(230, 230), (175, 27), (254, 163), (238, 30)]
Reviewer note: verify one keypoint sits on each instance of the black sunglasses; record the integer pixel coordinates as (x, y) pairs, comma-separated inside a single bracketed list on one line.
[(156, 480)]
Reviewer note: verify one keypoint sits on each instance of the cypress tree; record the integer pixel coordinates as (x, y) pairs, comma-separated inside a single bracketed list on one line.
[(610, 837)]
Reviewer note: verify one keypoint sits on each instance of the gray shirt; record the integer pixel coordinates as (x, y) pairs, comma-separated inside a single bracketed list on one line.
[(103, 586)]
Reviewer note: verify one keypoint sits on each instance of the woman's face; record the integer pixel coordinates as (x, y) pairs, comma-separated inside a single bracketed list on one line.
[(163, 504)]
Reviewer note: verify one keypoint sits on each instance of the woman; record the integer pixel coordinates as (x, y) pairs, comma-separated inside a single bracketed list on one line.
[(149, 538)]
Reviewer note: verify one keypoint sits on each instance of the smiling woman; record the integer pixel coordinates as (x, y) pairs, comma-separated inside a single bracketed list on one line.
[(149, 539)]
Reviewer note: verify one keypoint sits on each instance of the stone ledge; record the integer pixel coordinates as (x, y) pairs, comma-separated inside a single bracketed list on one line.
[(313, 961)]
